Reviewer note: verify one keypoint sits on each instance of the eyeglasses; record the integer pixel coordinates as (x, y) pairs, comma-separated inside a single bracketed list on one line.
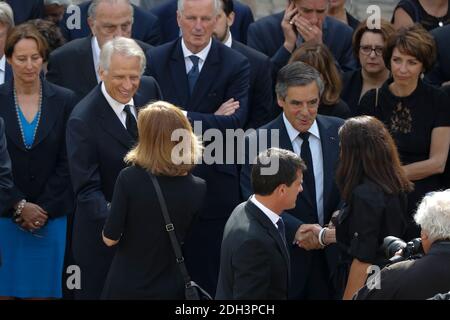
[(367, 50)]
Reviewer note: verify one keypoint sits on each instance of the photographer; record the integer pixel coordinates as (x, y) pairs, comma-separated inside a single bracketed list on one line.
[(430, 275)]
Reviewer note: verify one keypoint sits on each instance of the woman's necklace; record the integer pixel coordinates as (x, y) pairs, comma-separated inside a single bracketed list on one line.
[(38, 116)]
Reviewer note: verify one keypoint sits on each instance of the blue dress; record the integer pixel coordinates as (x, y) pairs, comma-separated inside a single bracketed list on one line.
[(32, 264)]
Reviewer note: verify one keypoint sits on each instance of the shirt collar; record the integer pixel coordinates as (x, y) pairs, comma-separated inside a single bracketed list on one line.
[(116, 105), (293, 133), (202, 54), (96, 48), (3, 64), (229, 41), (269, 213)]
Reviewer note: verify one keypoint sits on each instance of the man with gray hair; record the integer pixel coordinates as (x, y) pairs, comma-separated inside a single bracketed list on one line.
[(100, 131), (425, 277), (75, 65), (315, 138), (6, 23), (54, 9)]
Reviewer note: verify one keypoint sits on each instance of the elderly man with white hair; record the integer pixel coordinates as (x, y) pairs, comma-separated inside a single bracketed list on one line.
[(421, 278)]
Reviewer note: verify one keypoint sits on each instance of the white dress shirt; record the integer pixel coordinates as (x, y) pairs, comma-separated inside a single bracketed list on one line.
[(2, 69), (202, 56), (96, 56), (229, 41), (118, 107), (317, 157), (269, 213)]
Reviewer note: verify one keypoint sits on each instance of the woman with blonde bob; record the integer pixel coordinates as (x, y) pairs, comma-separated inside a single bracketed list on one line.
[(144, 266)]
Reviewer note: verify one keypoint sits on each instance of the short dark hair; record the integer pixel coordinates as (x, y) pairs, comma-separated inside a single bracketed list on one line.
[(26, 31), (288, 166), (227, 6), (386, 30), (414, 41)]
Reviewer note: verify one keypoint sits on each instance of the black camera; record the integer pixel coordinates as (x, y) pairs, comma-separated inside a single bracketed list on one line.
[(411, 250)]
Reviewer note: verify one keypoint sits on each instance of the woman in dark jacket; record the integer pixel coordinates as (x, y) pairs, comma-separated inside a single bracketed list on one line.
[(33, 227), (145, 266)]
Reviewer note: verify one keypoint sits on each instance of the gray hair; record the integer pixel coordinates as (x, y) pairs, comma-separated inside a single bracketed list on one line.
[(297, 74), (433, 215), (92, 10), (217, 5), (122, 46), (65, 3), (6, 14)]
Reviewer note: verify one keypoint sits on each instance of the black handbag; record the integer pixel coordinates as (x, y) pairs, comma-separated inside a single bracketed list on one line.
[(192, 290)]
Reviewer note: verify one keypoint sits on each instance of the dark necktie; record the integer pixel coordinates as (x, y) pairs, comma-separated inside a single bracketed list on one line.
[(280, 225), (131, 122), (193, 73), (308, 175)]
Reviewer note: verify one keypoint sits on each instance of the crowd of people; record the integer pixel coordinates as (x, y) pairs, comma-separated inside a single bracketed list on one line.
[(356, 116)]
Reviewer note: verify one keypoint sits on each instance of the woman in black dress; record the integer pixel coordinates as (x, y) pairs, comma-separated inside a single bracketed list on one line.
[(430, 14), (318, 56), (368, 45), (416, 114), (144, 266)]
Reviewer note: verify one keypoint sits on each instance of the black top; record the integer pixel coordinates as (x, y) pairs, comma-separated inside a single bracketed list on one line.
[(352, 83), (144, 266), (352, 21), (418, 14), (339, 109), (369, 217)]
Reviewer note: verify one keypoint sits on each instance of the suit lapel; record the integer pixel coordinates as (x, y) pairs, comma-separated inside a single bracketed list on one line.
[(330, 149), (8, 72), (110, 122), (267, 224), (178, 75), (8, 113), (210, 71)]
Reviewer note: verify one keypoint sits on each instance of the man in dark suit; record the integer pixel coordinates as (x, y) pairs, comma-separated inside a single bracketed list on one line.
[(278, 35), (146, 27), (167, 14), (199, 74), (260, 93), (315, 138), (440, 74), (6, 23), (100, 131), (75, 64), (254, 262), (26, 10)]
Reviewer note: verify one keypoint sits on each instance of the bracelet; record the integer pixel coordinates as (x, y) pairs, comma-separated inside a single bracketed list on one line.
[(20, 207), (322, 236)]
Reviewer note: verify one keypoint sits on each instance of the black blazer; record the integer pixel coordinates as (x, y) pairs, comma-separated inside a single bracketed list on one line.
[(6, 179), (167, 15), (96, 144), (144, 266), (72, 66), (260, 98), (301, 260), (352, 83), (145, 25), (254, 261), (441, 70), (26, 10), (41, 174)]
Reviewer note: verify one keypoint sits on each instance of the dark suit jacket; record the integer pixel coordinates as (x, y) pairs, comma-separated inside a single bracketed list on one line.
[(441, 70), (266, 36), (260, 94), (8, 72), (304, 212), (352, 84), (26, 10), (254, 262), (41, 174), (167, 15), (145, 25), (6, 179), (96, 144), (224, 75), (72, 66)]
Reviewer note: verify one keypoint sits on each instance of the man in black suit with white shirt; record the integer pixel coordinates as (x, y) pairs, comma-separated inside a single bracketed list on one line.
[(100, 131)]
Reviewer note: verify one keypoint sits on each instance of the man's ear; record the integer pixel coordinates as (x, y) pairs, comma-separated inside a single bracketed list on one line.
[(178, 18), (90, 22), (102, 73), (230, 19), (281, 102)]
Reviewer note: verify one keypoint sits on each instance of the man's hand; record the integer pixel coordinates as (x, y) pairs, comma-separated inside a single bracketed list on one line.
[(308, 31), (227, 108), (306, 236), (288, 26)]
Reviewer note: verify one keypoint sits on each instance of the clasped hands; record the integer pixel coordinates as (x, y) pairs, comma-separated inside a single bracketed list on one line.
[(307, 236)]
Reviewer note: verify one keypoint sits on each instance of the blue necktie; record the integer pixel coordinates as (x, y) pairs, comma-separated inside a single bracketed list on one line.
[(280, 225), (193, 73)]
